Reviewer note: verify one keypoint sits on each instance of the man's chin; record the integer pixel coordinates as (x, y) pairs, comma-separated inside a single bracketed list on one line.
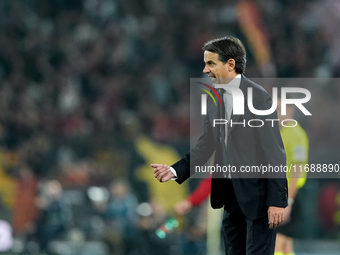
[(214, 80)]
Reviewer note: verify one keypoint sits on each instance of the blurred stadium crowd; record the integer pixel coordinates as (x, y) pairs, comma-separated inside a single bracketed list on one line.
[(92, 91)]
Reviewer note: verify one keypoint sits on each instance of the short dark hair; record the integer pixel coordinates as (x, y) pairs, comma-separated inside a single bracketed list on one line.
[(229, 47)]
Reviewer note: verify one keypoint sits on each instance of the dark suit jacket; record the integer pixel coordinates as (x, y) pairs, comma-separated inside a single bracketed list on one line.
[(246, 146)]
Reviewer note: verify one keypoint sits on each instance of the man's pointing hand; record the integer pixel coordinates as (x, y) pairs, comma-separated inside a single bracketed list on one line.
[(162, 172)]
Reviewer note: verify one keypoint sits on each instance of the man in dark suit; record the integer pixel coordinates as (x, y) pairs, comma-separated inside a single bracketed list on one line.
[(253, 204)]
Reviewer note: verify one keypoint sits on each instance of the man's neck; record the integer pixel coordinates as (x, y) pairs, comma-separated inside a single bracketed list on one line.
[(230, 80)]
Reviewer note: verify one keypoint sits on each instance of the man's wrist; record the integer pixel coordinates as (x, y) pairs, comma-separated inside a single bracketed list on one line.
[(174, 173)]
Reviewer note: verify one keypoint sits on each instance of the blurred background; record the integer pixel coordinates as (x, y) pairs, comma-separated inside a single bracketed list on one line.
[(94, 91)]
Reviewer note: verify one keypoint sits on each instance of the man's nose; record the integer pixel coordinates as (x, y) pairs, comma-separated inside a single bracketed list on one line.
[(206, 70)]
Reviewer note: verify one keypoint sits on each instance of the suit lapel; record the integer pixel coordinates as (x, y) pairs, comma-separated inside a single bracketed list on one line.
[(243, 88), (215, 112)]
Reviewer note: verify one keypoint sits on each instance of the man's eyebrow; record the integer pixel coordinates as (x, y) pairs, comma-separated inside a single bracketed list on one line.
[(210, 62)]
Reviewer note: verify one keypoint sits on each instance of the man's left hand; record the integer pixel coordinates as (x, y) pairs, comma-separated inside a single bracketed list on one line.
[(275, 216)]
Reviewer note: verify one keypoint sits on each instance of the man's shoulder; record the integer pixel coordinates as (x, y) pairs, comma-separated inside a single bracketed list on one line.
[(256, 87), (259, 93)]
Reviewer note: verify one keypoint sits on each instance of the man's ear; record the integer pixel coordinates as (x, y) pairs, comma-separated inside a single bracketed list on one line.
[(231, 64)]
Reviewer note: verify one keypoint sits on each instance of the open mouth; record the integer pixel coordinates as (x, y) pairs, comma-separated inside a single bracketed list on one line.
[(213, 78)]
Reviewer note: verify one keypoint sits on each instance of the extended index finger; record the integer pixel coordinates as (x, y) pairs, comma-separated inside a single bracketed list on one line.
[(155, 165)]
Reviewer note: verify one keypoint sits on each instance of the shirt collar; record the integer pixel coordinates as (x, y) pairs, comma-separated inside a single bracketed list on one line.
[(236, 81)]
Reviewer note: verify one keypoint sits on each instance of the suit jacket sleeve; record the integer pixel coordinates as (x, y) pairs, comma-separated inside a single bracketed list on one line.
[(197, 156), (272, 145)]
